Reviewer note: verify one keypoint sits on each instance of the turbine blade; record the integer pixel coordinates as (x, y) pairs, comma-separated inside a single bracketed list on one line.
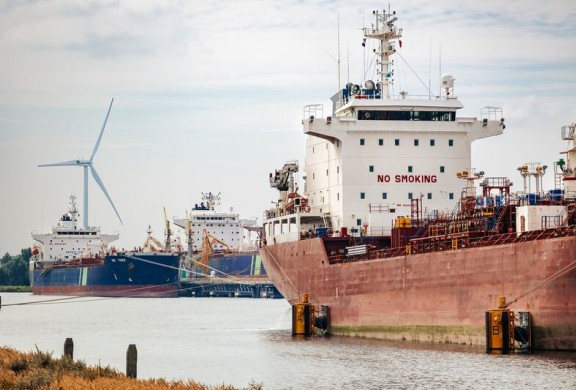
[(101, 131), (62, 164), (99, 181)]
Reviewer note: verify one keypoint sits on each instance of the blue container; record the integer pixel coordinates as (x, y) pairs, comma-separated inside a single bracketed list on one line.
[(322, 231), (556, 194), (533, 199)]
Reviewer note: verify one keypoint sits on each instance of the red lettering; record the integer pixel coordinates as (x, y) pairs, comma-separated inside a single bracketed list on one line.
[(408, 178)]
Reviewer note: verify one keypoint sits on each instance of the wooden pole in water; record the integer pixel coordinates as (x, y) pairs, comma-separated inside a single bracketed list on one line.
[(69, 348), (131, 361)]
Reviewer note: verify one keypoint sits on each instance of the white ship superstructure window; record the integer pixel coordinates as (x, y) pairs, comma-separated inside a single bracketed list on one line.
[(397, 142), (416, 142), (384, 195), (450, 142), (371, 168), (432, 142), (451, 196), (441, 168), (381, 142), (362, 141), (410, 169), (409, 195), (429, 195), (358, 222), (362, 195)]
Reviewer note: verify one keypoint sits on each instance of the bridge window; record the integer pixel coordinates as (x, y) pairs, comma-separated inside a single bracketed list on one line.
[(370, 115)]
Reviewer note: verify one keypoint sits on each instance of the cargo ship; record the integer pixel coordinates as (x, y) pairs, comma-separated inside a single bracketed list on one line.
[(220, 243), (400, 238), (77, 260), (222, 258)]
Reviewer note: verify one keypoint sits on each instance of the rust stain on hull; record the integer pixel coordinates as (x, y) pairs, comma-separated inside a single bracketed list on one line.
[(443, 294)]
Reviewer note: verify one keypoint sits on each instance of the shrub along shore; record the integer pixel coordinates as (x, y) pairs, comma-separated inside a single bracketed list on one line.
[(15, 288), (40, 370)]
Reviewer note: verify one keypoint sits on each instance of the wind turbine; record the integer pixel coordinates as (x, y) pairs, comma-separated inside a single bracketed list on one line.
[(88, 164)]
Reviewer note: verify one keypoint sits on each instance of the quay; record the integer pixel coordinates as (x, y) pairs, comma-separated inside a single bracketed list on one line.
[(244, 287)]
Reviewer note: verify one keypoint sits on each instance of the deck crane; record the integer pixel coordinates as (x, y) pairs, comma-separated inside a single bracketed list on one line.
[(189, 234), (168, 245), (208, 242), (283, 181), (151, 244)]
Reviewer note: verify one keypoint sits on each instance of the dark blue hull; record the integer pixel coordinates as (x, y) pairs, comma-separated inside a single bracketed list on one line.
[(122, 274), (237, 264)]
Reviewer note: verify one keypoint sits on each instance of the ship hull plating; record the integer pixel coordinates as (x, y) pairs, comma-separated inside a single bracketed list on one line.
[(435, 297), (237, 264), (121, 275)]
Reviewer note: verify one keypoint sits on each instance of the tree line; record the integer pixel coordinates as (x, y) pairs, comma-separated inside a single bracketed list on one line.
[(14, 269)]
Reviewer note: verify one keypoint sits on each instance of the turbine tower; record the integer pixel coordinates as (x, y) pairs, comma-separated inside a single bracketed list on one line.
[(88, 164)]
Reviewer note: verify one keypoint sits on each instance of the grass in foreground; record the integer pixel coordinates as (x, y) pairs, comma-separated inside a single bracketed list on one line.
[(39, 370), (15, 289)]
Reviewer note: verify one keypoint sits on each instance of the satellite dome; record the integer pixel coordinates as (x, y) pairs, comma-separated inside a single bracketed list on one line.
[(447, 81)]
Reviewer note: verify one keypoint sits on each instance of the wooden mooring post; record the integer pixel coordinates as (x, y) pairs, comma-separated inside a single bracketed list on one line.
[(131, 361), (131, 357), (69, 348)]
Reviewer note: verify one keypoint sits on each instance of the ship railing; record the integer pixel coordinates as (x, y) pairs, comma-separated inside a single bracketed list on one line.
[(491, 113), (551, 221), (312, 111), (377, 96), (459, 241)]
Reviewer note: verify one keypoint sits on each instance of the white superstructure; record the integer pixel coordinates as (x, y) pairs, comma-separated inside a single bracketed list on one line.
[(376, 152), (68, 241), (227, 227)]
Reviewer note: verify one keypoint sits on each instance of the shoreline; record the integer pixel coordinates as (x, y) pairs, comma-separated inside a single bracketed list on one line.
[(40, 369)]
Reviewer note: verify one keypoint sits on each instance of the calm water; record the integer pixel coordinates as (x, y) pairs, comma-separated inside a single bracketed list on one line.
[(236, 341)]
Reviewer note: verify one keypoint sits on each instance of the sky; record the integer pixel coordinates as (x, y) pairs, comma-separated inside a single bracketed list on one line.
[(209, 96)]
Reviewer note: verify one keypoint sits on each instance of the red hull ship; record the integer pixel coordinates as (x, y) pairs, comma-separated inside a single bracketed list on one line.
[(386, 238)]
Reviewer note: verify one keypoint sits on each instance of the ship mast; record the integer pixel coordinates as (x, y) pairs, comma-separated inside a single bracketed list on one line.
[(386, 33)]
